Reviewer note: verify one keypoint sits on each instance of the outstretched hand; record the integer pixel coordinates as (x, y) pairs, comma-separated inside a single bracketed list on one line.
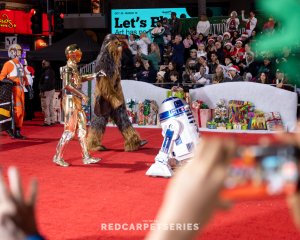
[(293, 200), (17, 214), (100, 73), (85, 99)]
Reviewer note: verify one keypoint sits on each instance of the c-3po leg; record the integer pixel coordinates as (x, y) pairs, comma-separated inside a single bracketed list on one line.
[(86, 158), (58, 157)]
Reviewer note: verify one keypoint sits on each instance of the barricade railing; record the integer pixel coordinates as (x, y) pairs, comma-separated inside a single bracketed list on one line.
[(88, 68)]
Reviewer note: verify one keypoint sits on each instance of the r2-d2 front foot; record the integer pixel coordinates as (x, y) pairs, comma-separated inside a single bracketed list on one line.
[(160, 168)]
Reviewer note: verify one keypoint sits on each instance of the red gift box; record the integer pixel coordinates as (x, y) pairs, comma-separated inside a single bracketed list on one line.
[(273, 121), (202, 116)]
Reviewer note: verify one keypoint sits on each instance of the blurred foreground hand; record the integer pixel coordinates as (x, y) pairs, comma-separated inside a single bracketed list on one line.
[(193, 194), (17, 214)]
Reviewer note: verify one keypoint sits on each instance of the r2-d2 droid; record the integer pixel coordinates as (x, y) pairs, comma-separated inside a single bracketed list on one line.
[(180, 136)]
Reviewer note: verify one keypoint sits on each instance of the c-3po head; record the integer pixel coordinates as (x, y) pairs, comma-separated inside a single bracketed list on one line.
[(73, 53)]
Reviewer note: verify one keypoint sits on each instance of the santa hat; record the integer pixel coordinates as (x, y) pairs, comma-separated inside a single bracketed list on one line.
[(228, 44), (226, 33), (29, 70), (244, 35), (220, 36), (234, 68), (239, 41)]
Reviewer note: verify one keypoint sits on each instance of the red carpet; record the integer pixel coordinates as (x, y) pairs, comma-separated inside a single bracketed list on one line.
[(73, 202)]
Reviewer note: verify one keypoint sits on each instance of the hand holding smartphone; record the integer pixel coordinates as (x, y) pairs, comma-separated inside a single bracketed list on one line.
[(260, 171)]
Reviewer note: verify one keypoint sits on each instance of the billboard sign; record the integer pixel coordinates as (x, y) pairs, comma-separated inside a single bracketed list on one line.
[(136, 21)]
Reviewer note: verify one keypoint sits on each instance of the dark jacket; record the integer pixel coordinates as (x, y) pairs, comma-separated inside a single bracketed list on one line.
[(47, 80), (148, 76), (127, 64), (175, 26), (178, 54)]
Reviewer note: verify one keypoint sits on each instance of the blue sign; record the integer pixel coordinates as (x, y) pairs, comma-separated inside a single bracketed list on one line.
[(136, 21)]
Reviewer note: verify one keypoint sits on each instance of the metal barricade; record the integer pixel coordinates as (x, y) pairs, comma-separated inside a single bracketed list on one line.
[(6, 107)]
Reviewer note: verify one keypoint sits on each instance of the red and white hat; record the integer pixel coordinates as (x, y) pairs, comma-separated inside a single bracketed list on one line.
[(244, 35), (239, 41), (228, 44), (226, 33), (234, 68)]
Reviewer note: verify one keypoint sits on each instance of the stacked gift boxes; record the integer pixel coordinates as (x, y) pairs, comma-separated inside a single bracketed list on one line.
[(142, 113), (239, 115)]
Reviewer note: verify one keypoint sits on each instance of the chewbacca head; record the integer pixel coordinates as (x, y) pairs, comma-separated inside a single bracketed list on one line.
[(110, 54)]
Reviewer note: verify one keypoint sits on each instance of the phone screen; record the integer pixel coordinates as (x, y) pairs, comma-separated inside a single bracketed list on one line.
[(260, 171)]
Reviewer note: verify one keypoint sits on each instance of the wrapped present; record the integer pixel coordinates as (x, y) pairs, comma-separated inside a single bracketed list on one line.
[(131, 116), (152, 117), (131, 108), (205, 116), (140, 114), (221, 112), (257, 121), (240, 111), (201, 113), (131, 104), (237, 126), (147, 110), (273, 121), (176, 92), (244, 126), (211, 125), (221, 126)]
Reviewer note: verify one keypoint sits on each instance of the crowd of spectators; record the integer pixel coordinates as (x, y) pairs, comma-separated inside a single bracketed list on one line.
[(200, 58)]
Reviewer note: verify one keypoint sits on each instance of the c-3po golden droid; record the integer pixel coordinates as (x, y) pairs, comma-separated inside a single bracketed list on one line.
[(74, 116)]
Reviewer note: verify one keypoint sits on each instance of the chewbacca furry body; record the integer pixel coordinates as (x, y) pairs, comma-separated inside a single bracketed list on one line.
[(109, 98)]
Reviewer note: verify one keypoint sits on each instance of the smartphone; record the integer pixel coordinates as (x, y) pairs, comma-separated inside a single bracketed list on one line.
[(260, 171)]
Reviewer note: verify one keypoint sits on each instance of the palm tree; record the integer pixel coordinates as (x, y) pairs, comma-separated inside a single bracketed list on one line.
[(201, 7)]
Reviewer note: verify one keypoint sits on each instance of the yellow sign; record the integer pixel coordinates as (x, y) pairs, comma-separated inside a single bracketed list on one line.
[(6, 22), (4, 112)]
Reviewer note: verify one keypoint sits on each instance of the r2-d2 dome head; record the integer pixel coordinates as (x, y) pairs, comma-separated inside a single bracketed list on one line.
[(176, 108), (172, 108), (15, 51)]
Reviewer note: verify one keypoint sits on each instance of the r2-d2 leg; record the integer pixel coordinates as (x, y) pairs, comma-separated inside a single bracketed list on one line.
[(161, 167)]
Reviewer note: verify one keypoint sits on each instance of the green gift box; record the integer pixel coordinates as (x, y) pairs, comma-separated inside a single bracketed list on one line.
[(176, 92), (244, 127)]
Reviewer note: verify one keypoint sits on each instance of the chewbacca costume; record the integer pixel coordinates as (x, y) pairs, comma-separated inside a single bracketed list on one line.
[(109, 99)]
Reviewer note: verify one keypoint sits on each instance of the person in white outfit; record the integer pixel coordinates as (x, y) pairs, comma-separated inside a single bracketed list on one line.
[(250, 22), (143, 43), (233, 23), (203, 26)]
